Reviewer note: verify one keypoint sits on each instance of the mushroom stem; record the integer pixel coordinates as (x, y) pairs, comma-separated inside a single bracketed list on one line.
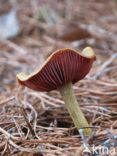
[(73, 107)]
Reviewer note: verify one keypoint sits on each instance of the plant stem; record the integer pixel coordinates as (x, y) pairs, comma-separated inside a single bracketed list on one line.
[(73, 107)]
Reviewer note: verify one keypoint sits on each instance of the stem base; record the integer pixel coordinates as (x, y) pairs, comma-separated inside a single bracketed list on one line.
[(73, 107)]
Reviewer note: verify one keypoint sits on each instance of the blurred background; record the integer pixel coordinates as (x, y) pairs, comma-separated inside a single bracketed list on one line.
[(30, 31)]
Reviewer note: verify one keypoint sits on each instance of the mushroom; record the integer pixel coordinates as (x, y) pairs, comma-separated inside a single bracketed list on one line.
[(62, 69)]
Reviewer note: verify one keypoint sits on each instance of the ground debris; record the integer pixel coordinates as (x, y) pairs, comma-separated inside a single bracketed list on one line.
[(44, 127)]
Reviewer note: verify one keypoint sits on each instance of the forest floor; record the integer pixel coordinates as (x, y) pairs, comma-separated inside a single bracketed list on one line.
[(37, 123)]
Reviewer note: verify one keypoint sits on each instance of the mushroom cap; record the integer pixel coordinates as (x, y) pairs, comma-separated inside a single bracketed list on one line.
[(62, 67)]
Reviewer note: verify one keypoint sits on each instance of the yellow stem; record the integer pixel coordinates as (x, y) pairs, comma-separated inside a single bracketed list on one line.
[(73, 107)]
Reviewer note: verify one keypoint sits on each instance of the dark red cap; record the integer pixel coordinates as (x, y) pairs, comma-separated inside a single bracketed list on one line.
[(63, 66)]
